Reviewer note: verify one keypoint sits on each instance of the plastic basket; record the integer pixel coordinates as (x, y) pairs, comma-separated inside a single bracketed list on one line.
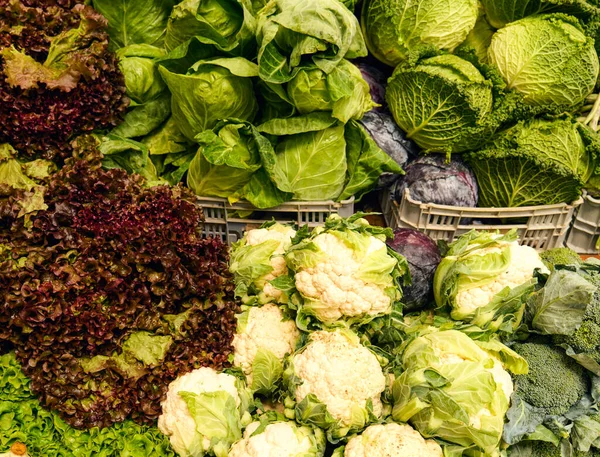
[(224, 220), (541, 227), (586, 227)]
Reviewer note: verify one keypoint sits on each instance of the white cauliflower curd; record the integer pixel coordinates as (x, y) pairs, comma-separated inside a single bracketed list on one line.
[(391, 440), (523, 261), (279, 439), (341, 373), (259, 258), (263, 328), (340, 285), (176, 420), (485, 279)]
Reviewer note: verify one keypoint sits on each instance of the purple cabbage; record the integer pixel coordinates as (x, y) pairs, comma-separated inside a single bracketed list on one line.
[(432, 179), (423, 256), (381, 125), (377, 80)]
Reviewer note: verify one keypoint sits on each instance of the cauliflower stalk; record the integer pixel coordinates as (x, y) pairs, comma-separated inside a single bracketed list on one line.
[(344, 270), (264, 337), (204, 412), (456, 389), (389, 440), (335, 383), (276, 437), (258, 259), (486, 278)]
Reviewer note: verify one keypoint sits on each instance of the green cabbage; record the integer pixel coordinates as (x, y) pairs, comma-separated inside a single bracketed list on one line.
[(395, 28), (226, 159), (480, 38), (452, 389), (314, 163), (135, 22), (213, 89), (537, 162), (441, 103), (225, 25), (501, 12), (344, 92), (291, 31), (555, 63), (150, 98)]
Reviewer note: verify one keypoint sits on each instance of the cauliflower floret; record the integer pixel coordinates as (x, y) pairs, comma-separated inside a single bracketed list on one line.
[(391, 440), (279, 439), (176, 420), (341, 374), (524, 260), (336, 284), (265, 329), (284, 235)]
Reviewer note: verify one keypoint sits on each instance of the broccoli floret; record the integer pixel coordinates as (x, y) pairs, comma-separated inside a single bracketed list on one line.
[(544, 449), (560, 256), (555, 381)]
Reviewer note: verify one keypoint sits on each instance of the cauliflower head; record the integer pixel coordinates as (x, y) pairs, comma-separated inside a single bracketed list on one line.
[(203, 389), (262, 341), (391, 440), (259, 258), (485, 278), (334, 369), (344, 275), (444, 366), (279, 439)]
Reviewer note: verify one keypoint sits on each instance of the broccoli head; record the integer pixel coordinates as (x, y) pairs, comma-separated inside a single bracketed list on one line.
[(544, 449), (560, 256), (555, 382)]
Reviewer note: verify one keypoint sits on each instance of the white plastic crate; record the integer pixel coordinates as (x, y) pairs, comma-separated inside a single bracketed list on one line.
[(541, 227), (223, 219), (586, 227)]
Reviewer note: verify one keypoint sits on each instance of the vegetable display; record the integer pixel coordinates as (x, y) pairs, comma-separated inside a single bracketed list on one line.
[(143, 314)]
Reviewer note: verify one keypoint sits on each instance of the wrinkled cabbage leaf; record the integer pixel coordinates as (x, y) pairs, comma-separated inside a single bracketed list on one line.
[(556, 63), (538, 162), (442, 104), (395, 28)]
